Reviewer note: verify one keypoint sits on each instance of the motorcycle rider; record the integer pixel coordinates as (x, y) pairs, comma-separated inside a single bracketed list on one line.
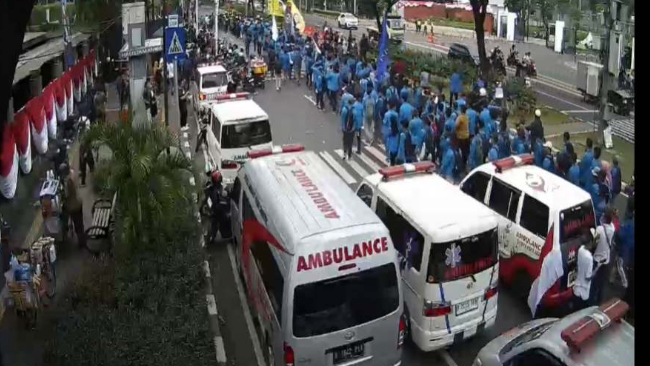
[(218, 216)]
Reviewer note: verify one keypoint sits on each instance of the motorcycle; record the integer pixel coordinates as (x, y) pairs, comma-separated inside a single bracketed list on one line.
[(222, 210), (512, 59), (496, 59)]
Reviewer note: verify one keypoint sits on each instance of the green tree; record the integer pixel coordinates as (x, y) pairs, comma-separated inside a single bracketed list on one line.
[(546, 8), (149, 177), (522, 8), (479, 8)]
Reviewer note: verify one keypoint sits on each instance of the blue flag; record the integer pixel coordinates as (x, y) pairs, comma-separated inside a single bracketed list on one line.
[(384, 60)]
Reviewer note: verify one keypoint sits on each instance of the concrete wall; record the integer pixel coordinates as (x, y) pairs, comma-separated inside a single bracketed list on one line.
[(441, 12)]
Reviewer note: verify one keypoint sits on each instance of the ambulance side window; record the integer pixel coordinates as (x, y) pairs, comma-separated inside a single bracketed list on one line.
[(476, 185), (406, 239), (504, 199), (534, 217), (270, 273), (248, 210)]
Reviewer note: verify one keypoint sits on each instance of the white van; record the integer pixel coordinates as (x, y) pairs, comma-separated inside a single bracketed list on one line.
[(319, 266), (212, 80), (447, 245), (238, 126), (530, 202)]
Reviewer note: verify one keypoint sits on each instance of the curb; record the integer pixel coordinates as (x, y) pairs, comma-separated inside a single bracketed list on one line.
[(210, 299)]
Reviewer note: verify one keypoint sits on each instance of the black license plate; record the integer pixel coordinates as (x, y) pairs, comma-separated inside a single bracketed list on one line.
[(348, 352)]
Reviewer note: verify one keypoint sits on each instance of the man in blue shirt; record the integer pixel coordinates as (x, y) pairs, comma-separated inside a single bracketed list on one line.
[(333, 87), (416, 129), (586, 166), (455, 86), (297, 64), (486, 118), (347, 96), (388, 117), (493, 154), (448, 164), (347, 127), (574, 172), (358, 112), (319, 86), (405, 110)]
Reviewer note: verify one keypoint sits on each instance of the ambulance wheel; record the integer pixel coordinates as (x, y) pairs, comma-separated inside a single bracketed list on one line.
[(269, 355)]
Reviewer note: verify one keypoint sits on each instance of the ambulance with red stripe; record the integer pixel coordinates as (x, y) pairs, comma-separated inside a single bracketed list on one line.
[(447, 245), (543, 220), (319, 266)]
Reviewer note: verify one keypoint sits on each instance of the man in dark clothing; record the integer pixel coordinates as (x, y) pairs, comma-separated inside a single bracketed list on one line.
[(364, 45), (74, 205), (86, 159), (183, 96), (536, 128)]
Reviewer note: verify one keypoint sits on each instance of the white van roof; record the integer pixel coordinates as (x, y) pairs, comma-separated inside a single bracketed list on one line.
[(436, 206), (237, 111), (546, 187), (211, 69), (305, 196)]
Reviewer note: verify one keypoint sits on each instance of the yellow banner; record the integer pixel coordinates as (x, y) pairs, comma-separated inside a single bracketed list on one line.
[(275, 8)]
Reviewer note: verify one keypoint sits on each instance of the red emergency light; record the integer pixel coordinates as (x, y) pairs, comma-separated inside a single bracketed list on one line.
[(513, 162), (405, 169), (231, 97), (254, 154), (580, 332)]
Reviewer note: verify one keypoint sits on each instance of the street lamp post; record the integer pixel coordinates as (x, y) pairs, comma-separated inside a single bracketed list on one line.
[(604, 86), (216, 27)]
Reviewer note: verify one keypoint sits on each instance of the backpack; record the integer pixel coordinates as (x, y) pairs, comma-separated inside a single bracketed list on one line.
[(349, 121)]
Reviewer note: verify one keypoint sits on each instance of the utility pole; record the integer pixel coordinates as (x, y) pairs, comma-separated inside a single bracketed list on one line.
[(604, 86), (196, 10), (164, 54), (216, 27)]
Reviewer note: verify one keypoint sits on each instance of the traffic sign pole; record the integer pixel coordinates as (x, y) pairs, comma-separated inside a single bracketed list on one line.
[(176, 76)]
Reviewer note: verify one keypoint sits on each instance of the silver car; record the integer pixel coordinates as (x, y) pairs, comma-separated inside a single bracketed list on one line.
[(595, 336)]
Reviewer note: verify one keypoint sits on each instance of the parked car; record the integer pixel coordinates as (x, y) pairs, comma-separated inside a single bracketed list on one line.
[(460, 52), (595, 336), (348, 21)]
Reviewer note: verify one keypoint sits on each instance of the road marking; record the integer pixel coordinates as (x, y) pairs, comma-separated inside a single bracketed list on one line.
[(212, 304), (206, 269), (373, 166), (561, 100), (445, 356), (186, 144), (310, 99), (185, 135), (188, 155), (353, 164), (582, 111), (377, 154), (245, 308), (221, 350), (337, 167)]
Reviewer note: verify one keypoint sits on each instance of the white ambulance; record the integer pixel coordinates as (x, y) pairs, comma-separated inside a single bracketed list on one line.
[(212, 81), (319, 266), (448, 249), (539, 214), (238, 126)]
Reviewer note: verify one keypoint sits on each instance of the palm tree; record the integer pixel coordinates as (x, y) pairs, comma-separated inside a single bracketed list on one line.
[(150, 175)]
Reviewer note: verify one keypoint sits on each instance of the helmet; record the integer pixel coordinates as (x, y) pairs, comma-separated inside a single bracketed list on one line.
[(216, 176), (538, 113), (482, 92)]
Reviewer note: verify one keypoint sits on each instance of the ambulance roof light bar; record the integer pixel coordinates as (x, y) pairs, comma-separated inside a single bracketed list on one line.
[(230, 97), (406, 169), (254, 154), (513, 162), (582, 331)]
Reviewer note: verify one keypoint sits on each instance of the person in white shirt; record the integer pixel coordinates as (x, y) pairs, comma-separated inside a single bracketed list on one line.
[(584, 275), (604, 240)]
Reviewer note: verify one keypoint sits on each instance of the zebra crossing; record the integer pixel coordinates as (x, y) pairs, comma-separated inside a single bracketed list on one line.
[(352, 171)]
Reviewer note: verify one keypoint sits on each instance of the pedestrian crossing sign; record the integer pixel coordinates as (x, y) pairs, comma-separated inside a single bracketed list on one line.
[(174, 44)]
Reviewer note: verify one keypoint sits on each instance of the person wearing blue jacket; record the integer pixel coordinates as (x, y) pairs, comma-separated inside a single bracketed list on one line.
[(347, 95), (401, 149), (347, 127), (475, 157), (333, 87), (549, 163), (297, 64), (416, 129), (486, 118), (392, 137), (586, 166), (455, 86), (448, 164), (450, 121), (596, 162), (493, 154), (574, 172), (319, 86), (405, 110), (358, 112), (406, 93), (388, 117), (519, 142), (380, 106), (538, 152)]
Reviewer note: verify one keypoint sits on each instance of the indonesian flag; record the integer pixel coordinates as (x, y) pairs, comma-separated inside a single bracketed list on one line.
[(49, 105), (69, 97), (21, 131), (61, 103), (38, 119), (551, 271), (8, 164)]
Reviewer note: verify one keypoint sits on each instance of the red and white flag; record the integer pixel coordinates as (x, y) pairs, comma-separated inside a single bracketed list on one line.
[(49, 105), (76, 81), (551, 271), (61, 102), (8, 164), (38, 119), (22, 134), (67, 82)]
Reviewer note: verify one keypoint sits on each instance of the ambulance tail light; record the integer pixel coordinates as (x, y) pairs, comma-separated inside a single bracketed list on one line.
[(254, 154), (401, 332), (406, 169), (436, 309), (582, 331), (491, 292), (232, 96), (288, 354), (229, 164), (513, 162)]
